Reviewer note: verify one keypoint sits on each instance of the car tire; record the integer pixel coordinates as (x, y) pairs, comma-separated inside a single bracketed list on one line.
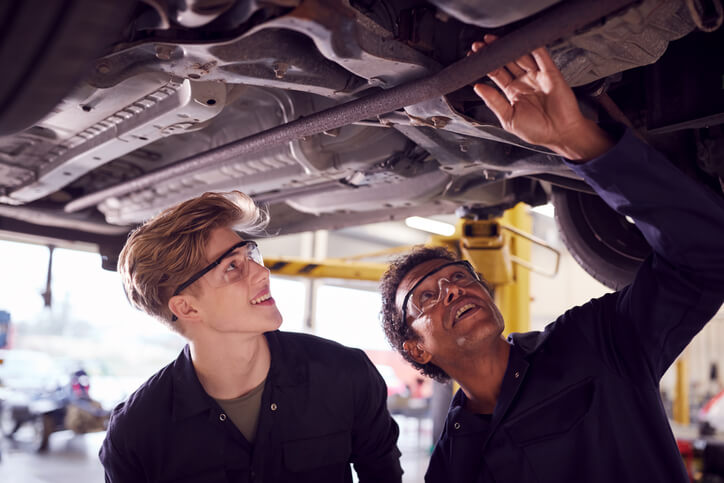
[(30, 433), (46, 48), (47, 426), (608, 246)]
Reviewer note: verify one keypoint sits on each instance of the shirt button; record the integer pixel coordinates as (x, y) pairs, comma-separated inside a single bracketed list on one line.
[(273, 406), (456, 425), (222, 417), (517, 374)]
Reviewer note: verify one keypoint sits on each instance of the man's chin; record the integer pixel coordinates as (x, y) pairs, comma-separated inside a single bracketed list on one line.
[(480, 331), (273, 319)]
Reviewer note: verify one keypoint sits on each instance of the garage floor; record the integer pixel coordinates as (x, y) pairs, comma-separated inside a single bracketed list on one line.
[(71, 458), (75, 458)]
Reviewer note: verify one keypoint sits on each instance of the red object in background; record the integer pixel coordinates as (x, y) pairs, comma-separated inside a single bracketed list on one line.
[(711, 415), (686, 448), (80, 384), (707, 407), (404, 372), (393, 383)]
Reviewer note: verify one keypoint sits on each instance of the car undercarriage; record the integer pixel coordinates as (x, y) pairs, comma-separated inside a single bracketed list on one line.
[(335, 113)]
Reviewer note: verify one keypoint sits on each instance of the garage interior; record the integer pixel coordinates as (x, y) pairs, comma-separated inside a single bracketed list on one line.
[(87, 335), (355, 125)]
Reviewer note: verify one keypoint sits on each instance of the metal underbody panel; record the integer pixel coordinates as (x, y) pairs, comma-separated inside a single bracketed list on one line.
[(160, 99)]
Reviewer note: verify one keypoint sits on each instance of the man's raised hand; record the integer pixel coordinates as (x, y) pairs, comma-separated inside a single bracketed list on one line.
[(538, 106)]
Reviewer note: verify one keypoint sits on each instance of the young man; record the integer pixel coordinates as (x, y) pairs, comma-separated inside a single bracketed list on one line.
[(578, 401), (243, 402)]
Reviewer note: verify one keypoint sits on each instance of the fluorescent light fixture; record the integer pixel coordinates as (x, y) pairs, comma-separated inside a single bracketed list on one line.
[(430, 226), (545, 210)]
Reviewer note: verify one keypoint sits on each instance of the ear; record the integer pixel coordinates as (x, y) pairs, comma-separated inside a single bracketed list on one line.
[(418, 353), (182, 307)]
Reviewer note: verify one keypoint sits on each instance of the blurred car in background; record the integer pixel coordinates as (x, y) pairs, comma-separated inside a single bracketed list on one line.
[(39, 395), (31, 371)]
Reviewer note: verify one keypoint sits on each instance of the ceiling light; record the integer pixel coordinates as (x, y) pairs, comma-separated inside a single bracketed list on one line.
[(545, 210), (430, 225)]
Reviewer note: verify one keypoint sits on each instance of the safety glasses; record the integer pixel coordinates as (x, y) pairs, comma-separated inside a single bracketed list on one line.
[(427, 293), (230, 267)]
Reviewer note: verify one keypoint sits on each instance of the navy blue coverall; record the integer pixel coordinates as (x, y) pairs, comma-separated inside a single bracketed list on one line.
[(323, 407), (580, 401)]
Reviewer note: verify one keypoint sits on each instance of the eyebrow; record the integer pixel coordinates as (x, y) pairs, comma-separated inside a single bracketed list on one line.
[(427, 277), (423, 283), (442, 272), (228, 253)]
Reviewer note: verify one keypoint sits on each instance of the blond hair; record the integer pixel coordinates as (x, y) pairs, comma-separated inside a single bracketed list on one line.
[(169, 248)]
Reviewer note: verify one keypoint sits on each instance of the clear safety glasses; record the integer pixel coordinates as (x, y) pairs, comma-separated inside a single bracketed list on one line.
[(230, 267), (429, 291)]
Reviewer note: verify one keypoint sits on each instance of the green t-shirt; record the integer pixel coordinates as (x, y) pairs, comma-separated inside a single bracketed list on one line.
[(244, 410)]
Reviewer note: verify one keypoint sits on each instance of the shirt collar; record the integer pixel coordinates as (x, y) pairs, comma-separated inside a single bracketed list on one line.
[(189, 398), (461, 421), (288, 366)]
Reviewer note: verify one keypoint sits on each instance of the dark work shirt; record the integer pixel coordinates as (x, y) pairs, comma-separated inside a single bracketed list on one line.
[(580, 400), (323, 407)]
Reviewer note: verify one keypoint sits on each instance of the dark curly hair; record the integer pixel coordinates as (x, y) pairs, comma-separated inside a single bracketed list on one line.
[(396, 329)]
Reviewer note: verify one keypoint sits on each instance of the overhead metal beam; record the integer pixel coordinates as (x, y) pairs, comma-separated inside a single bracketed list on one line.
[(557, 22)]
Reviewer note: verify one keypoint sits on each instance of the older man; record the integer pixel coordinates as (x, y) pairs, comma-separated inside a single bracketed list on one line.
[(578, 401)]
